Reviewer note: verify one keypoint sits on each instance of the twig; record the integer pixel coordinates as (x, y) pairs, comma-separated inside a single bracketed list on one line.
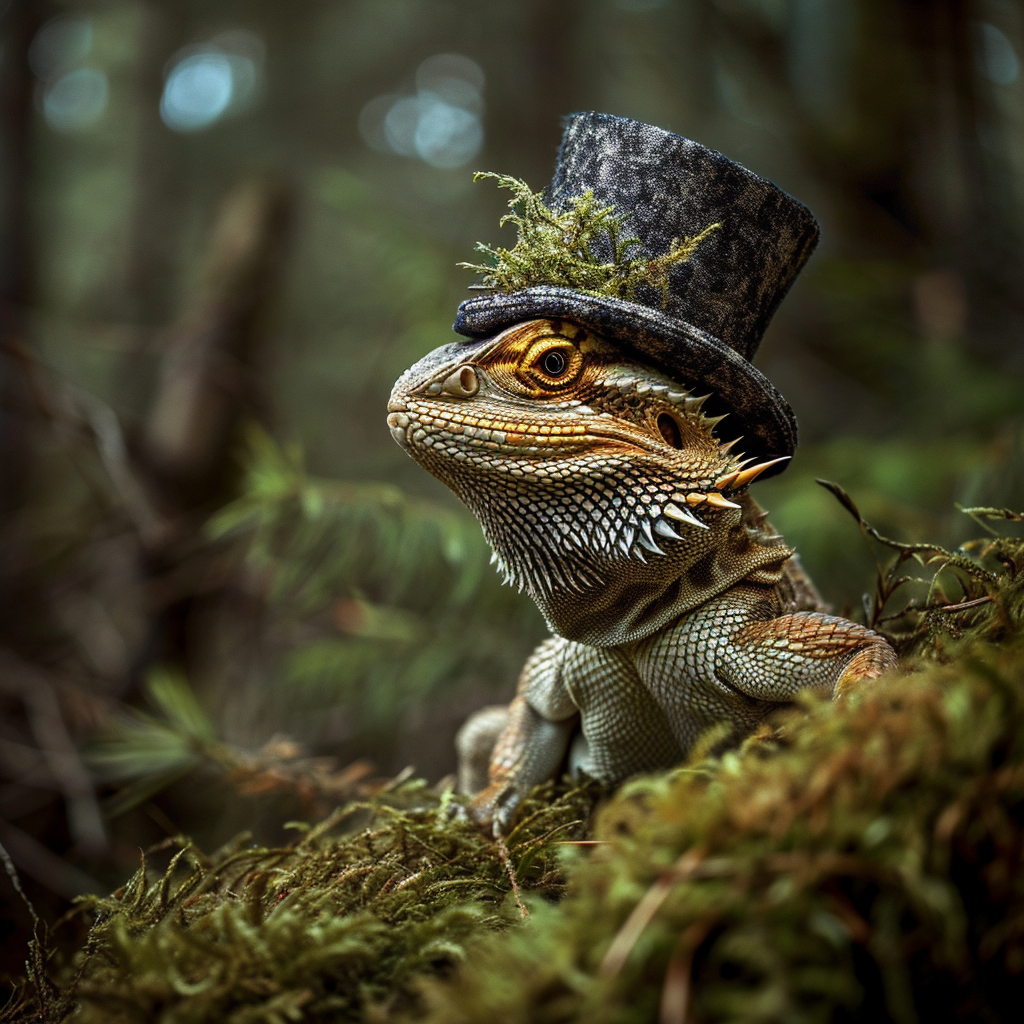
[(113, 452), (643, 913), (963, 605), (675, 994), (12, 873), (506, 860), (79, 413)]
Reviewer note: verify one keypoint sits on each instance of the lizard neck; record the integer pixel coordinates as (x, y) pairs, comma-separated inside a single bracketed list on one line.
[(593, 590)]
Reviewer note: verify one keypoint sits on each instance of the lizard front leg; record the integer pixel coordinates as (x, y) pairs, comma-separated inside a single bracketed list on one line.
[(735, 658), (533, 744), (774, 659)]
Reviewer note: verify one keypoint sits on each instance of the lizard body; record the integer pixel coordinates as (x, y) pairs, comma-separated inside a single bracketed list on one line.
[(606, 495)]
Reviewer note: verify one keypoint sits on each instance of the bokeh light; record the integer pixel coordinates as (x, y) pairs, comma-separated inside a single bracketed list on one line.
[(207, 82), (447, 136), (60, 46), (996, 58), (372, 119), (453, 79), (70, 96), (76, 100), (441, 125), (197, 92)]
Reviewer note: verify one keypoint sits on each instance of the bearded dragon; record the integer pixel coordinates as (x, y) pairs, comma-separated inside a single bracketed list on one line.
[(606, 494)]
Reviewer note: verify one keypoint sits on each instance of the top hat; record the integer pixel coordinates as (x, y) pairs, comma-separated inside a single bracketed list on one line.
[(706, 326)]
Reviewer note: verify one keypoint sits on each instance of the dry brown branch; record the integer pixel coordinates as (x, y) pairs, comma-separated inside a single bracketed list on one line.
[(205, 376), (67, 772)]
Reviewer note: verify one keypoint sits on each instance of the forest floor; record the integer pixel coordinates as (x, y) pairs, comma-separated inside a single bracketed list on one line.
[(856, 859)]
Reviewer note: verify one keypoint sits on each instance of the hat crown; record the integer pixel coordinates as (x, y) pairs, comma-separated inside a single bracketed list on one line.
[(670, 188)]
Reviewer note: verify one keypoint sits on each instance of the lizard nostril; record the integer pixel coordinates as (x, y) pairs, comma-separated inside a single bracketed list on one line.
[(463, 383)]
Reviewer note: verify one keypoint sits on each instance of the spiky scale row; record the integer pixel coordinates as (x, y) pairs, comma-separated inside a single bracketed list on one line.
[(717, 501), (683, 515), (742, 477)]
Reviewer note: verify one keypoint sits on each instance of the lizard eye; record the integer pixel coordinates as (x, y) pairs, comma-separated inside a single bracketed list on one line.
[(550, 367), (554, 363)]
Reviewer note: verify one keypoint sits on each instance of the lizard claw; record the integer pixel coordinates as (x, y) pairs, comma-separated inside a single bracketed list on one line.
[(457, 812), (495, 807)]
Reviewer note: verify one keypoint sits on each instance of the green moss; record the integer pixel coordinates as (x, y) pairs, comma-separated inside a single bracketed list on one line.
[(856, 860), (331, 928), (557, 248), (862, 862)]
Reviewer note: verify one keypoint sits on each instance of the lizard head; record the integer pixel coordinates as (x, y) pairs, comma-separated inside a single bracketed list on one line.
[(592, 474)]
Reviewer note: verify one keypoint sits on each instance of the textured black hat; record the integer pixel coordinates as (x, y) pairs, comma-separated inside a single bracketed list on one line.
[(707, 327)]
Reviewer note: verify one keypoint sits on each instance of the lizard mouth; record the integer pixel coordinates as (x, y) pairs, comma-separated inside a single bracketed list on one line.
[(437, 433), (413, 423)]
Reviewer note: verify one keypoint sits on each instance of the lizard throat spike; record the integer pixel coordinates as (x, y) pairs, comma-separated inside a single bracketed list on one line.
[(663, 527), (725, 481), (747, 475), (717, 501), (675, 511), (684, 515), (646, 538)]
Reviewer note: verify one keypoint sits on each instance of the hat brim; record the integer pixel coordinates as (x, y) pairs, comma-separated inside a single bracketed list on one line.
[(757, 411)]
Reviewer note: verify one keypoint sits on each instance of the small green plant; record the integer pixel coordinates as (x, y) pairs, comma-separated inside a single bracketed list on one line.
[(975, 593), (557, 247)]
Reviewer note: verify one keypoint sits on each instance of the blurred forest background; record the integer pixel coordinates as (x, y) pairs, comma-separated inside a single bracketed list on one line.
[(227, 227)]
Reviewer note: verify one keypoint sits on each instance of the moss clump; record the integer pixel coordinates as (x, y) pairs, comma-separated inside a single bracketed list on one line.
[(861, 863), (558, 248), (327, 929), (856, 860)]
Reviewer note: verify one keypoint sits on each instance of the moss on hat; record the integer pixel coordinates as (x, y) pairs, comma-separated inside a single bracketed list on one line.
[(558, 247)]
